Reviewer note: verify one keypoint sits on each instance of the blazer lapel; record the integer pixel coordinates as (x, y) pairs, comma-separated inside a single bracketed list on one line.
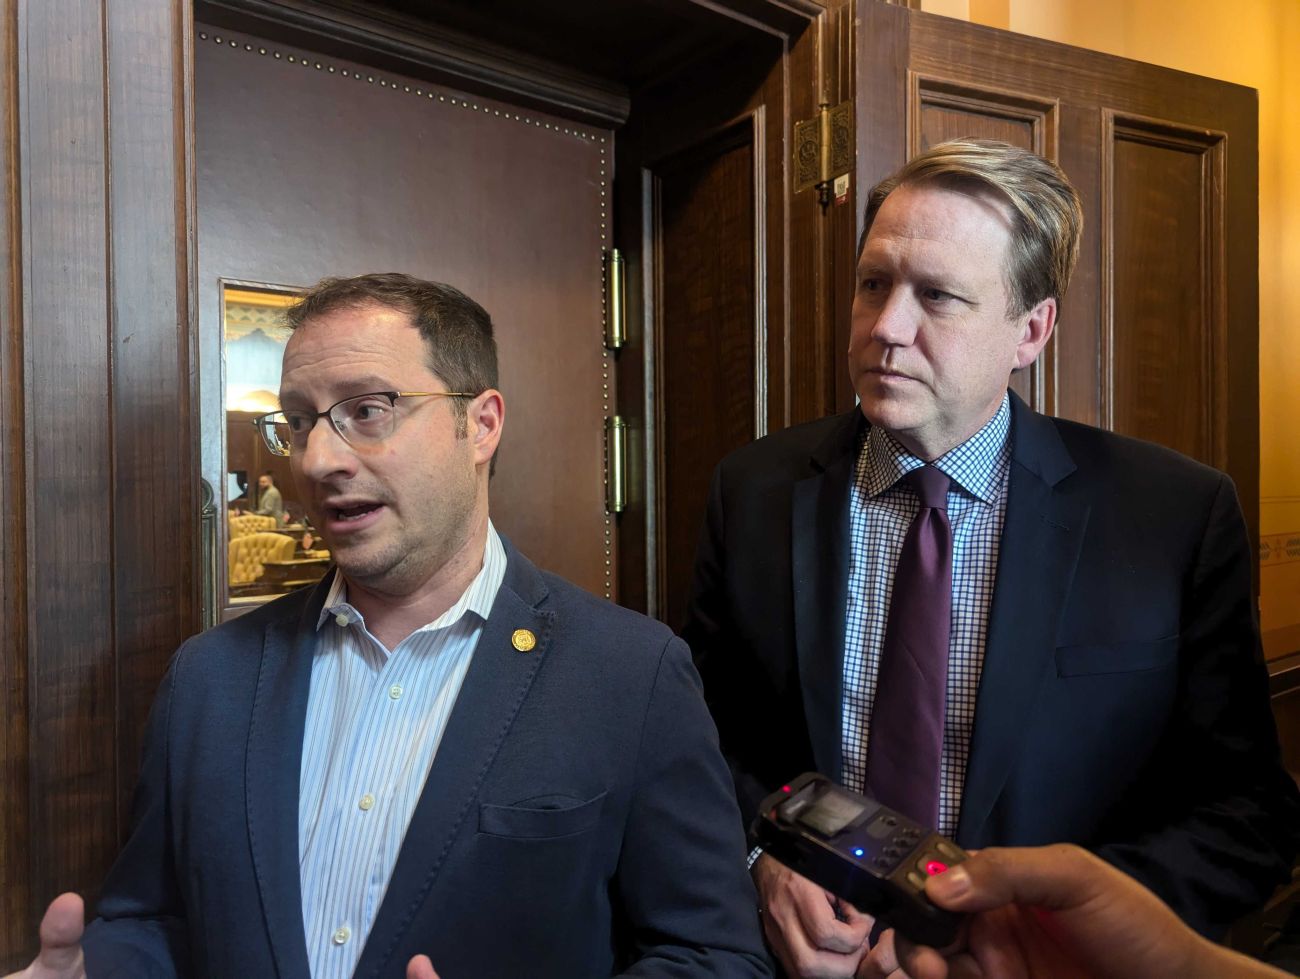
[(819, 543), (498, 680), (1041, 540), (271, 776)]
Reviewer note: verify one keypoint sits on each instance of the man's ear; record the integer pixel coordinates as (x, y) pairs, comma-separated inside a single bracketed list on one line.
[(1035, 332), (485, 418)]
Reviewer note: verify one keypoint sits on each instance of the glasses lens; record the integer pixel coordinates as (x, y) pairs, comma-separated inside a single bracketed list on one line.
[(275, 433), (368, 418)]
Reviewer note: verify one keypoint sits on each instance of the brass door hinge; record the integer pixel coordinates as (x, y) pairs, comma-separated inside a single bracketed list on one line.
[(615, 307), (615, 464), (823, 151)]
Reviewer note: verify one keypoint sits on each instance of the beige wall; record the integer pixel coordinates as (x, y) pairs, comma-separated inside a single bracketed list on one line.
[(1250, 42)]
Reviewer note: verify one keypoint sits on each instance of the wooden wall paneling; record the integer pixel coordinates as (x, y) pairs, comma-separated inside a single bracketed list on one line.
[(98, 502), (1164, 331), (1077, 337), (69, 444), (154, 490), (15, 741)]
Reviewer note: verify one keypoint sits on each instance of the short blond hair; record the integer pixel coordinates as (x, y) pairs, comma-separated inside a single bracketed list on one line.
[(1047, 214)]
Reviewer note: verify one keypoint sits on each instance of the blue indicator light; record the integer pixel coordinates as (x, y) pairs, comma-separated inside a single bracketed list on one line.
[(858, 851)]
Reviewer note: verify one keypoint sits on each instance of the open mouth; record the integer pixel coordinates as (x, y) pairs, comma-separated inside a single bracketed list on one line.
[(346, 514)]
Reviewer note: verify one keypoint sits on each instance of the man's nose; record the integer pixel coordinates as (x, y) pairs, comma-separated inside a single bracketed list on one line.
[(324, 453), (897, 320)]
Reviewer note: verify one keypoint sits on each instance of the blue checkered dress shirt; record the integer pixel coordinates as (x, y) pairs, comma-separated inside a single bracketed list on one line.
[(881, 508)]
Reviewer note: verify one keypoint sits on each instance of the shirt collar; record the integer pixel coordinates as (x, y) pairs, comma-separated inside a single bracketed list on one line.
[(975, 465), (477, 598)]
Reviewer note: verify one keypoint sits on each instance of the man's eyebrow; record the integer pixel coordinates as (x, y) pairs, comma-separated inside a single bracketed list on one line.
[(365, 384)]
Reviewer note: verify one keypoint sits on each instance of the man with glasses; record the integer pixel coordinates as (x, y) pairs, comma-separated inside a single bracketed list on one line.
[(438, 755)]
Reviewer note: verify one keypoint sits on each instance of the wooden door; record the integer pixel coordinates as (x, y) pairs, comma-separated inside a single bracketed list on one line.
[(1157, 336), (731, 295)]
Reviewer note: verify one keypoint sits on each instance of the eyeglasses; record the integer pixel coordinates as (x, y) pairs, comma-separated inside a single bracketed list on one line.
[(366, 419)]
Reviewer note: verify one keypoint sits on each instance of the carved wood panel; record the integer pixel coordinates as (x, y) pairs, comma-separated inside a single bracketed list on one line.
[(1164, 329)]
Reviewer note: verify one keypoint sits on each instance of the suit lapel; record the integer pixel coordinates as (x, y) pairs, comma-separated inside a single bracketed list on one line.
[(819, 543), (498, 680), (1041, 540), (272, 774)]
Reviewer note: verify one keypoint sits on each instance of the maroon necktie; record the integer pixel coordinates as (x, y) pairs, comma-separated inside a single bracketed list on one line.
[(911, 689)]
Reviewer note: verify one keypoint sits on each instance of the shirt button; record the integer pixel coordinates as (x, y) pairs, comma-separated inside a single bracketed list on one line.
[(342, 619), (341, 935), (367, 802), (395, 691)]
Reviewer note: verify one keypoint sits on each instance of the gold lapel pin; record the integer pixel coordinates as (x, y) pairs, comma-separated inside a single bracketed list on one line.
[(523, 640)]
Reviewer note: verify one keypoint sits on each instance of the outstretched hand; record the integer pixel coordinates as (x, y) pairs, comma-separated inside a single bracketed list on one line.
[(60, 956), (1060, 911)]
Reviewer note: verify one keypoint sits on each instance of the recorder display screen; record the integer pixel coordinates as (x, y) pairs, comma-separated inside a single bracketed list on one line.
[(831, 813)]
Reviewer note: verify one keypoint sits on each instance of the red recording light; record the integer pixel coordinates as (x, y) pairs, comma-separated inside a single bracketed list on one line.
[(785, 788), (935, 867)]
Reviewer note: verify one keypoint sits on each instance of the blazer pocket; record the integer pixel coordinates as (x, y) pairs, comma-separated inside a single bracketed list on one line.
[(1118, 657), (524, 823)]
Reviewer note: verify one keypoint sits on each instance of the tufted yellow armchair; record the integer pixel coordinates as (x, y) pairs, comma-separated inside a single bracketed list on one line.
[(249, 523), (247, 553)]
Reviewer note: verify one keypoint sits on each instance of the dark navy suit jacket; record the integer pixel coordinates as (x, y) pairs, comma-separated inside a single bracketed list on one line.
[(1123, 703), (577, 821)]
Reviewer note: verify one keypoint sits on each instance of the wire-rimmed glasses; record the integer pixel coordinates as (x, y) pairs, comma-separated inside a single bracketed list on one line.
[(364, 419)]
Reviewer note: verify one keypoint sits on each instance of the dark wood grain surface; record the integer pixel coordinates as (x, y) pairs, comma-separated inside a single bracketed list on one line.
[(99, 485)]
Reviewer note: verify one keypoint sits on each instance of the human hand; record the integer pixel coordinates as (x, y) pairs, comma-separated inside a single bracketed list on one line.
[(882, 962), (812, 933), (1060, 911), (60, 955), (420, 968)]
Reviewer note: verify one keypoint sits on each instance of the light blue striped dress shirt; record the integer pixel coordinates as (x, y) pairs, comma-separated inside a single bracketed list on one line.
[(881, 508), (374, 720)]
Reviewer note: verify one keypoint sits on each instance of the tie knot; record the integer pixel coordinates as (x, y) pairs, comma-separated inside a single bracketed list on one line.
[(931, 486)]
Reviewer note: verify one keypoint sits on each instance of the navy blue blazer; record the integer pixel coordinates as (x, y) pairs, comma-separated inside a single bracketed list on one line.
[(577, 820), (1123, 703)]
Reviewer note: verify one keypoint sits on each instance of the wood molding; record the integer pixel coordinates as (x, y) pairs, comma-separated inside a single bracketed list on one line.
[(785, 17), (16, 830), (383, 38)]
